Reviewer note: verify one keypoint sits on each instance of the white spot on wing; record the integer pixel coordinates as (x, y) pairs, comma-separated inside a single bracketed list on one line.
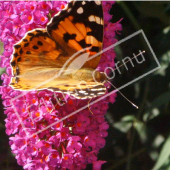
[(80, 10), (98, 2), (98, 20), (82, 91), (100, 89), (83, 98), (69, 10), (101, 21), (91, 18), (83, 3), (97, 89), (100, 93)]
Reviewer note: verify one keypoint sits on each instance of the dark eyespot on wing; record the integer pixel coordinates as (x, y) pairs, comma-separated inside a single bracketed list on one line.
[(20, 51), (16, 55), (28, 52), (17, 46), (30, 34), (68, 37), (39, 31), (13, 63), (39, 43), (98, 34), (25, 40), (19, 59), (83, 43), (95, 49), (26, 44), (35, 47)]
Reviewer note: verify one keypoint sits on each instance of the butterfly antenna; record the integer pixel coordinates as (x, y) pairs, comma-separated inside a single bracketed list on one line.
[(124, 96), (89, 106), (141, 52)]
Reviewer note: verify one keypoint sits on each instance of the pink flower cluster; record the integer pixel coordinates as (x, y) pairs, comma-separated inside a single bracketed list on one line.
[(72, 143)]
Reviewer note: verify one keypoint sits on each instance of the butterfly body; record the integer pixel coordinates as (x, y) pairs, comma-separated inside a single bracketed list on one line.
[(51, 58)]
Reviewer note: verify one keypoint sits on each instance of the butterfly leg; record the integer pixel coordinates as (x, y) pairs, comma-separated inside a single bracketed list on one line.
[(89, 106)]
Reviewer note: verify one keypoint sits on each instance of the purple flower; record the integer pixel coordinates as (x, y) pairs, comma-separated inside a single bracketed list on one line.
[(40, 18), (27, 17), (97, 165), (72, 143), (67, 160), (53, 158)]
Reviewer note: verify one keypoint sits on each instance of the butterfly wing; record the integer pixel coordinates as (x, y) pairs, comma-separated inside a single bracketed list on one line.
[(41, 54), (35, 60), (79, 26)]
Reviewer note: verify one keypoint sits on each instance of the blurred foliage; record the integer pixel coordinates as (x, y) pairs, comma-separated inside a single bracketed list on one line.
[(138, 139)]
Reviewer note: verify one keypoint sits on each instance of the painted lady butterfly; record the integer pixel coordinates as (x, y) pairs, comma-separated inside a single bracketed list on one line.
[(42, 53)]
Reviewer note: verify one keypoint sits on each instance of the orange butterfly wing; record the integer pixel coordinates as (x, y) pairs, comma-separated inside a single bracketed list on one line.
[(41, 54), (36, 51), (80, 26)]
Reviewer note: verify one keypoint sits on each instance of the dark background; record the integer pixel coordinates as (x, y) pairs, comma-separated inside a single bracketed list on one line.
[(138, 138)]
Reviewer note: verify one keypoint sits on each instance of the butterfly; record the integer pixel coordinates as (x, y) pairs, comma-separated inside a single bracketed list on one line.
[(43, 58)]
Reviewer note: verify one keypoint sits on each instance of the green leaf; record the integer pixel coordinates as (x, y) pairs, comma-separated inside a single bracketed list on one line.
[(151, 114), (128, 118), (164, 155), (164, 62), (141, 129), (123, 126)]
